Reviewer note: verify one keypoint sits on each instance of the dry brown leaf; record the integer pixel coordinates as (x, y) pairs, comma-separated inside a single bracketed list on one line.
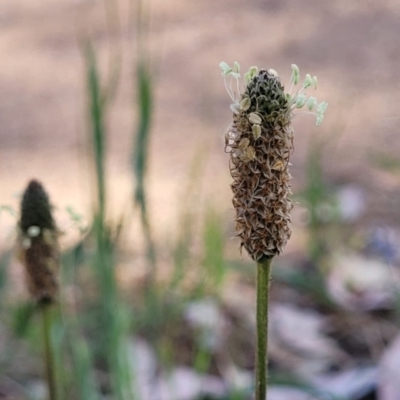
[(297, 341), (358, 283)]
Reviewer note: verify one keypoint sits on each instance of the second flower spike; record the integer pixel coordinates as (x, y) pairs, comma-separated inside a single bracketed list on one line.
[(38, 244)]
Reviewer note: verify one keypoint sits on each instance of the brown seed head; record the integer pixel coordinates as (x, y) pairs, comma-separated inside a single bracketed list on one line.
[(260, 142), (38, 243)]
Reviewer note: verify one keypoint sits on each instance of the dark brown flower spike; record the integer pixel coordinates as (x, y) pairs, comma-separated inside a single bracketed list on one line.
[(38, 244), (260, 142)]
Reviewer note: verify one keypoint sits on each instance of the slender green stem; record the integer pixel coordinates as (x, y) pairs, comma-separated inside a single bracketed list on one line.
[(263, 281), (50, 364)]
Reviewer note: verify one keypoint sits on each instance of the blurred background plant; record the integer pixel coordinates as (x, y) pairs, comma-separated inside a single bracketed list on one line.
[(151, 305)]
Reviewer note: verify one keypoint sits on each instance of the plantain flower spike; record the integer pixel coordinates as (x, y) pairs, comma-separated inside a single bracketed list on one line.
[(260, 142), (38, 244)]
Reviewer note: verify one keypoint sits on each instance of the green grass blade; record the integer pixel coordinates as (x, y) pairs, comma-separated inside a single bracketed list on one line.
[(140, 155), (96, 113)]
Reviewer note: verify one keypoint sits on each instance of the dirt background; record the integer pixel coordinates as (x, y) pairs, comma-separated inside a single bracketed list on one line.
[(352, 46)]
